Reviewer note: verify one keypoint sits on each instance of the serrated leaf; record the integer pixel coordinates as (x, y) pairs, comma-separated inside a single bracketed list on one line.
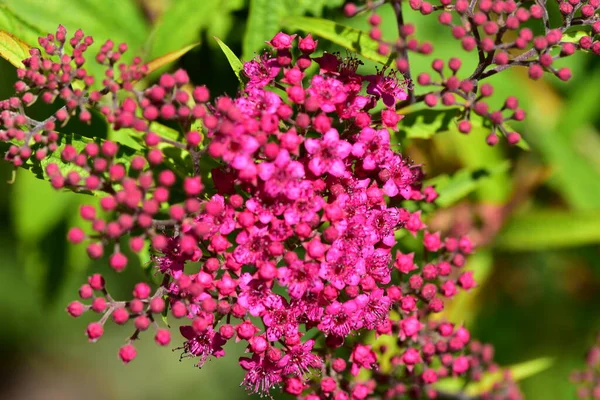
[(168, 58), (13, 49), (352, 39), (236, 64), (550, 229), (454, 188)]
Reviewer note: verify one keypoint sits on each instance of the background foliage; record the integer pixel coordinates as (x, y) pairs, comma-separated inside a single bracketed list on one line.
[(538, 214)]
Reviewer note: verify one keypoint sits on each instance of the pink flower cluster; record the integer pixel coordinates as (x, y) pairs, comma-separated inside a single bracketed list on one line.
[(289, 200), (502, 34), (588, 380)]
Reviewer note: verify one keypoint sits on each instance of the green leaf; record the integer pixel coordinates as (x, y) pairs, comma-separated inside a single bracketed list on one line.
[(119, 20), (573, 36), (181, 24), (26, 32), (424, 123), (518, 372), (569, 144), (236, 64), (454, 188), (264, 21), (352, 39), (315, 7), (13, 49), (38, 167), (168, 58), (550, 229), (32, 218)]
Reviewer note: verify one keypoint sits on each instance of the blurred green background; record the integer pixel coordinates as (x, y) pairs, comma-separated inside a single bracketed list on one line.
[(539, 220)]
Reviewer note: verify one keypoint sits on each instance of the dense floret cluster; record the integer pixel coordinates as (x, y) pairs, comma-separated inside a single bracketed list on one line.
[(273, 217)]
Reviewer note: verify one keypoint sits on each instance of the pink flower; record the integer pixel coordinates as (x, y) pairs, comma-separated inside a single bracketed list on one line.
[(257, 102), (409, 328), (299, 358), (282, 177), (460, 365), (256, 296), (328, 154), (208, 343), (388, 88), (261, 71), (362, 357), (373, 147), (262, 374), (401, 176), (328, 91), (282, 41)]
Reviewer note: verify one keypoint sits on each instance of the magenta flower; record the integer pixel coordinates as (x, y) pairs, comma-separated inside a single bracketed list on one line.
[(208, 343), (402, 176), (253, 245), (280, 322), (386, 87), (328, 92), (299, 358), (255, 296), (373, 147), (262, 374), (282, 177), (258, 101), (328, 154), (261, 71), (221, 220), (362, 357)]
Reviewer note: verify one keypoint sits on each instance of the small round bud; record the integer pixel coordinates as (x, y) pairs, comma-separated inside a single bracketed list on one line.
[(94, 331), (127, 353), (162, 337), (120, 316), (75, 309)]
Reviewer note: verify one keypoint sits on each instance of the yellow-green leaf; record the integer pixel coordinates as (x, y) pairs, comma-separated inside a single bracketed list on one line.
[(13, 49), (168, 58), (345, 36), (550, 229), (454, 188), (234, 61)]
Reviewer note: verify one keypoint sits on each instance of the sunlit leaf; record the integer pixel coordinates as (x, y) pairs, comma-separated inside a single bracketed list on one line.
[(264, 21), (13, 49), (518, 372), (550, 229), (424, 123), (18, 27), (168, 58), (352, 39), (180, 25), (234, 61), (454, 188)]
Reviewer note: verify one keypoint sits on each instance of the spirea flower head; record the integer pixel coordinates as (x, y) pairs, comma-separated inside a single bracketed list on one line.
[(278, 223)]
